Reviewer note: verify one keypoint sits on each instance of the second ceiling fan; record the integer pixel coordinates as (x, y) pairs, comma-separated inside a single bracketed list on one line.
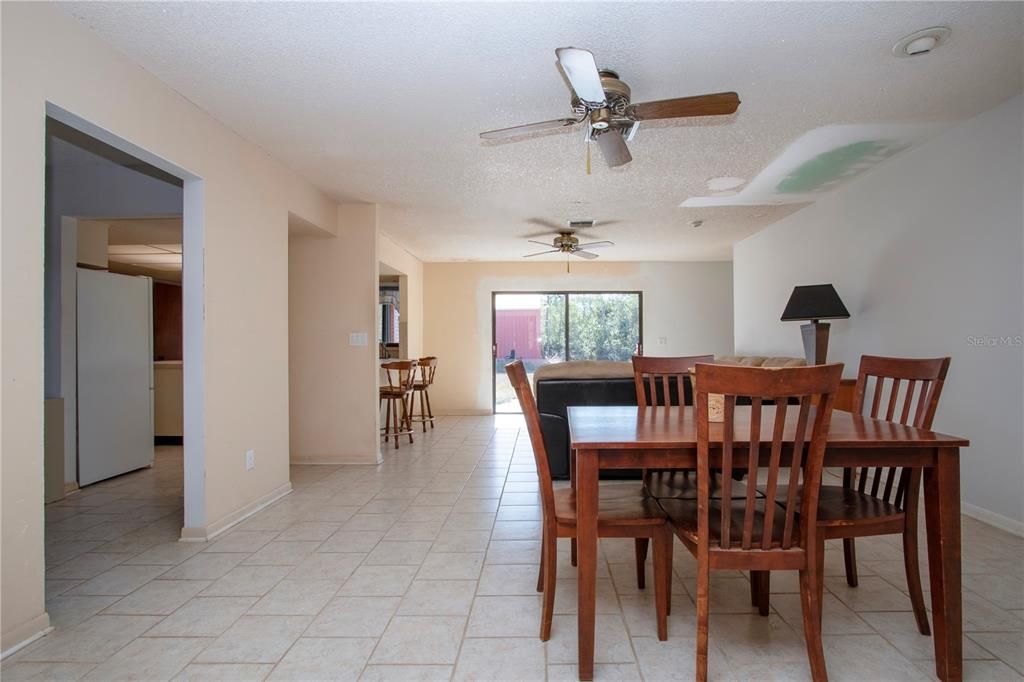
[(601, 102)]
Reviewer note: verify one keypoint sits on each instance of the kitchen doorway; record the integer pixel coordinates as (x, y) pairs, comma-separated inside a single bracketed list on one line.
[(99, 188)]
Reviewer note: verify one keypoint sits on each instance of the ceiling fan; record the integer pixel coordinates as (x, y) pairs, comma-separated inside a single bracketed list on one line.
[(568, 243), (602, 102)]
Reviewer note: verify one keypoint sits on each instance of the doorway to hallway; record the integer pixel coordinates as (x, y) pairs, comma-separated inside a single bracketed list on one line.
[(123, 296)]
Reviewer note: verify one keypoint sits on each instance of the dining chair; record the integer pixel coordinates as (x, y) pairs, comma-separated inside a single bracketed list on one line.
[(401, 375), (667, 374), (755, 533), (427, 369), (884, 500), (625, 511)]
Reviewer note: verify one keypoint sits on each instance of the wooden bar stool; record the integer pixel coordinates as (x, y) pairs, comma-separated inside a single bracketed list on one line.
[(427, 368), (401, 376)]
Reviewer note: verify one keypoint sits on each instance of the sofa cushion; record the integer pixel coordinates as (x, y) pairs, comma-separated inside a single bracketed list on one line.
[(759, 361), (583, 369)]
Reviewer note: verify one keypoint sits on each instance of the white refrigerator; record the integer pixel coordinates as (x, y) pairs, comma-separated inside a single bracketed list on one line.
[(115, 374)]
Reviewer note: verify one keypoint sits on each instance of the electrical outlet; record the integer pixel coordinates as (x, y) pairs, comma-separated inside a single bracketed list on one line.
[(250, 459), (662, 340)]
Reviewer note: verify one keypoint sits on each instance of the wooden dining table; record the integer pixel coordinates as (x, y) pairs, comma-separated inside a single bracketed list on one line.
[(617, 437)]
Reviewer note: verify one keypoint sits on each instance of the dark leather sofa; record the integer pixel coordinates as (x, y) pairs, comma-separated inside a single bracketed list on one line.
[(555, 395)]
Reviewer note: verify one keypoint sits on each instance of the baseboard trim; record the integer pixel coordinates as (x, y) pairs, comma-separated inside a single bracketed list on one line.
[(234, 518), (463, 413), (371, 459), (999, 521), (70, 487), (23, 635)]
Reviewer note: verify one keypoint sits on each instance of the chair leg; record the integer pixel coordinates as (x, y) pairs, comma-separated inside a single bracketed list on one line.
[(819, 559), (540, 568), (662, 585), (760, 588), (394, 419), (641, 561), (703, 588), (669, 559), (423, 411), (387, 421), (811, 609), (910, 562), (407, 415), (572, 551), (850, 558), (430, 412), (550, 559)]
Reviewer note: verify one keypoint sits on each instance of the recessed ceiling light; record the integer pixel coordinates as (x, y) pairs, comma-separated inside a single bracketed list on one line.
[(725, 182), (921, 42)]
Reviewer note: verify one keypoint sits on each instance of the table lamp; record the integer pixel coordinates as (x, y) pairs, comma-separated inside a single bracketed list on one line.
[(815, 303)]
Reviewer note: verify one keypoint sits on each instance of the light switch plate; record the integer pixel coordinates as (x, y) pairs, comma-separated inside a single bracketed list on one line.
[(357, 339)]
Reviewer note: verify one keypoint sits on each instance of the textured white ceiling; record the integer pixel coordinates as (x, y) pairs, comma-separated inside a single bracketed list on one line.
[(382, 102)]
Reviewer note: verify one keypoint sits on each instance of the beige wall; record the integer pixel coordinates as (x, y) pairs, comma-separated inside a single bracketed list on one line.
[(687, 305), (926, 253), (394, 255), (49, 57), (333, 385)]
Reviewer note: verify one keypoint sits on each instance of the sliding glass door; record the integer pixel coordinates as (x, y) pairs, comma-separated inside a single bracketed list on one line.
[(544, 327)]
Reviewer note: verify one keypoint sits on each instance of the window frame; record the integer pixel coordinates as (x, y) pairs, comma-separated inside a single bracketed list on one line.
[(565, 294)]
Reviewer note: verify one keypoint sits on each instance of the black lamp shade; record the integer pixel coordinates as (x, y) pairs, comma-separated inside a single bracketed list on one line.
[(815, 302)]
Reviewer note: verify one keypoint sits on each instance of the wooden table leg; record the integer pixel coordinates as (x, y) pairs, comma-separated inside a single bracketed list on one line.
[(942, 518), (586, 539)]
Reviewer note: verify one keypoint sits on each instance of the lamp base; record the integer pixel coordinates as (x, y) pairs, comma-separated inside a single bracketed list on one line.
[(815, 335)]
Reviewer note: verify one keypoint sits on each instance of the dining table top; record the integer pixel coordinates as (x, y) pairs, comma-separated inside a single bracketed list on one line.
[(597, 427)]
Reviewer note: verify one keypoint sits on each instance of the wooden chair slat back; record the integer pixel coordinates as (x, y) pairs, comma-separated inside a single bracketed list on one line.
[(428, 366), (401, 374), (663, 372), (909, 389), (808, 387), (520, 382)]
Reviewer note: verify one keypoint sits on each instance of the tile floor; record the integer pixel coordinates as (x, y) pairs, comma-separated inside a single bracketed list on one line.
[(424, 568)]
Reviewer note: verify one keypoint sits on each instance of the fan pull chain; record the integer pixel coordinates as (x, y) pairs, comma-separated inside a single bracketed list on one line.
[(588, 158)]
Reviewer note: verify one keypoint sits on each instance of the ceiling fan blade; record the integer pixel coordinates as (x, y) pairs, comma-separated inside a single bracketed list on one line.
[(549, 224), (502, 133), (585, 254), (540, 253), (581, 70), (716, 104), (532, 241), (596, 245), (614, 149)]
